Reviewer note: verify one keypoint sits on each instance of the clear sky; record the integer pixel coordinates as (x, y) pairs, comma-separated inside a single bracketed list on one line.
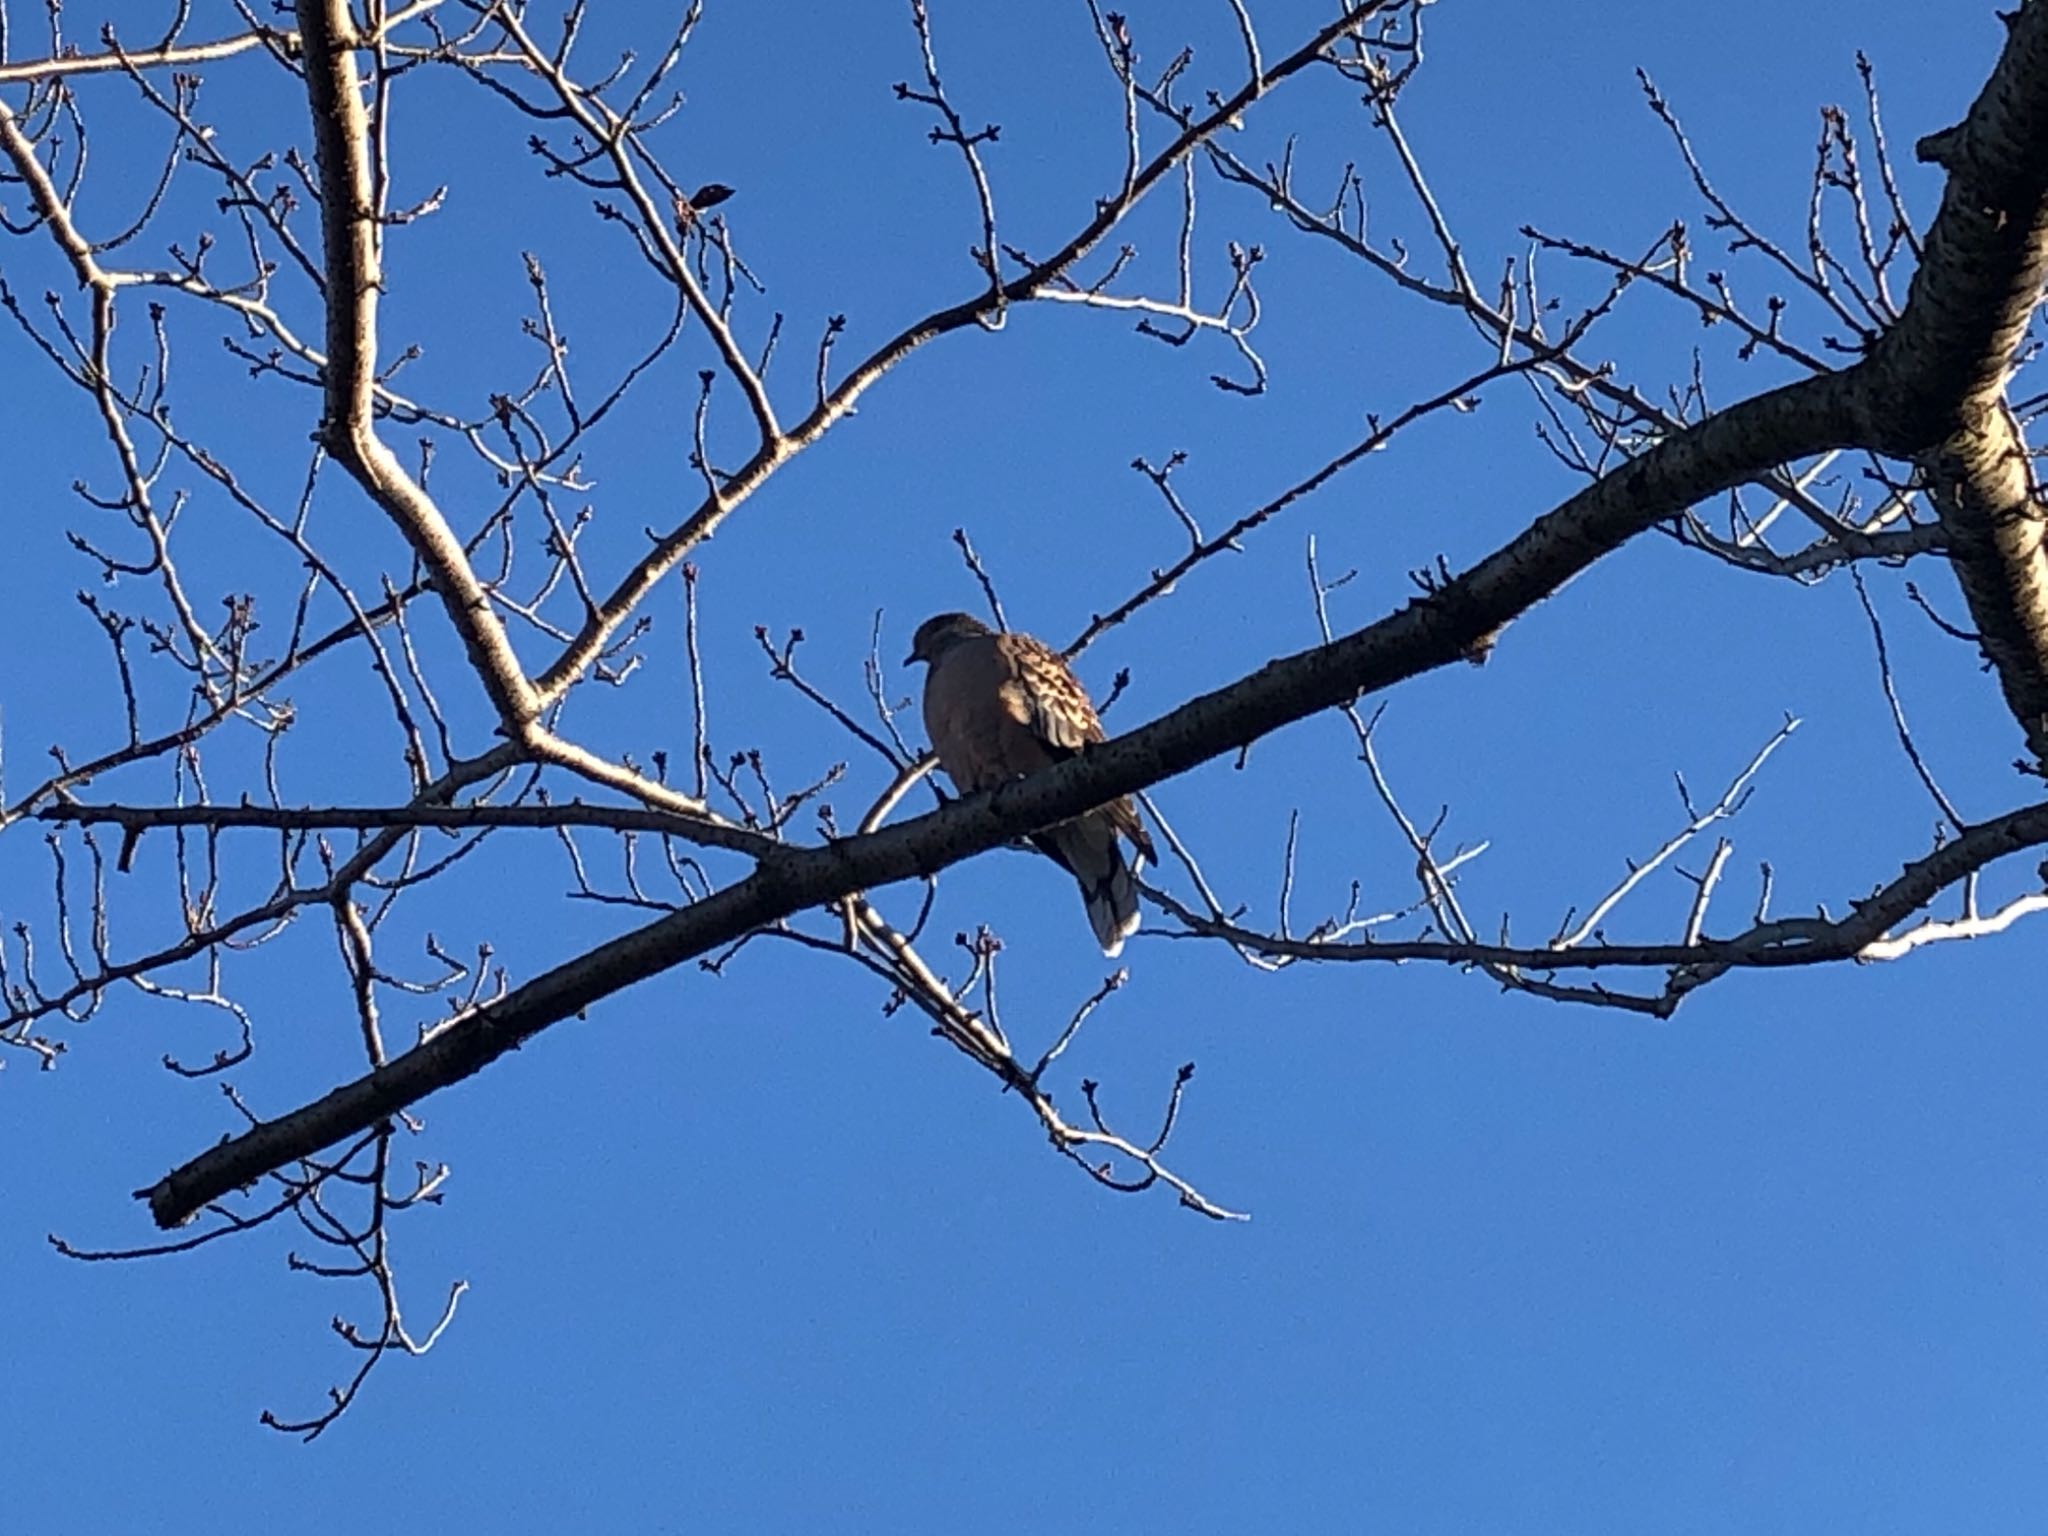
[(747, 1254)]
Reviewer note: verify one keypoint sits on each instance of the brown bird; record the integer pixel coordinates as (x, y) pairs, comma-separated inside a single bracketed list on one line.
[(704, 199), (1001, 706)]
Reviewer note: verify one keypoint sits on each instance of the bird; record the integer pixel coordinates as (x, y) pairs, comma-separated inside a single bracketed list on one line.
[(703, 200), (999, 706)]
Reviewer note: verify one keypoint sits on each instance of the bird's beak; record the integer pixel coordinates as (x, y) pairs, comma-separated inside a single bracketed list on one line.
[(910, 660)]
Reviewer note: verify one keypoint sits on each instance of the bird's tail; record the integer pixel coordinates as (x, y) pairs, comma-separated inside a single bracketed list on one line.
[(1112, 903), (1087, 848)]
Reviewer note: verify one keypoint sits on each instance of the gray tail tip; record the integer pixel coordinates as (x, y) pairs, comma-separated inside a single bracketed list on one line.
[(1113, 912)]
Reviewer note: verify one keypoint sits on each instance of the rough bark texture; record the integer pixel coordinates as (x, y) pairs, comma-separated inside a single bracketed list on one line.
[(1934, 389)]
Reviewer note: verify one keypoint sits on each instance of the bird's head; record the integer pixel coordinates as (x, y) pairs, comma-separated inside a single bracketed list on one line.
[(939, 634)]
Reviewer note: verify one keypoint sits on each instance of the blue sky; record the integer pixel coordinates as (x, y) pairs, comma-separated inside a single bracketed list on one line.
[(746, 1254)]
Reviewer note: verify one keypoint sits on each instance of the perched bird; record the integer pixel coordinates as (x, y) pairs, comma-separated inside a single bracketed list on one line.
[(703, 200), (1001, 706)]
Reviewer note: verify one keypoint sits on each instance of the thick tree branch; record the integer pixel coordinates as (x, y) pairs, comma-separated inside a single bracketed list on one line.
[(1936, 381), (352, 245), (1433, 631)]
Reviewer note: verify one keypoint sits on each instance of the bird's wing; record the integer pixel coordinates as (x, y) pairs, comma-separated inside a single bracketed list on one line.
[(1051, 702), (1047, 697)]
